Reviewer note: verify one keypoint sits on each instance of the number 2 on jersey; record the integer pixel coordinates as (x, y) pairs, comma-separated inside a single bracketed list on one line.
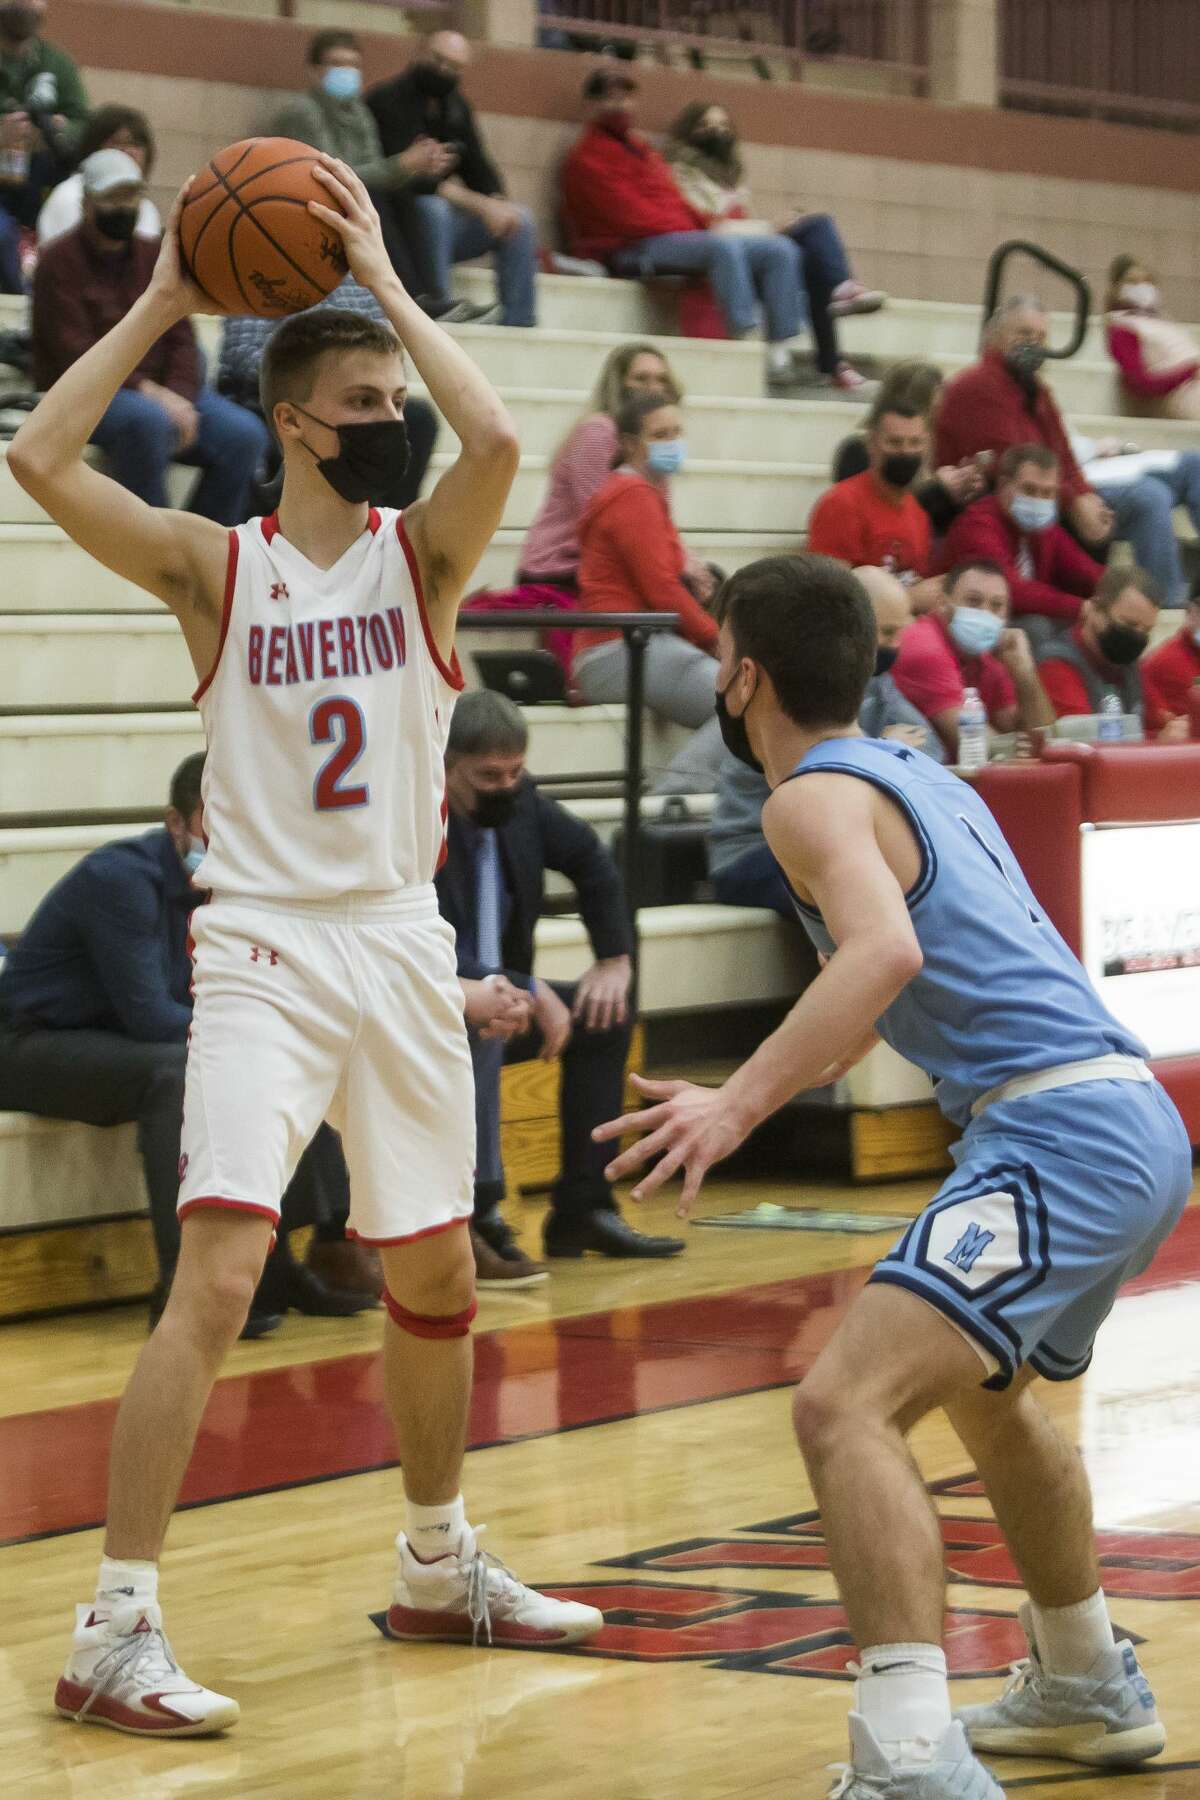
[(339, 722)]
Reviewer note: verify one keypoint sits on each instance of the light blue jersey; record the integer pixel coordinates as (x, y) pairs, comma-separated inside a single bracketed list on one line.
[(1000, 994), (1058, 1196)]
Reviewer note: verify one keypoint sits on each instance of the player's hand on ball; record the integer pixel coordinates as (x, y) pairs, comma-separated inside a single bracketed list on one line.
[(693, 1128), (356, 223), (170, 282)]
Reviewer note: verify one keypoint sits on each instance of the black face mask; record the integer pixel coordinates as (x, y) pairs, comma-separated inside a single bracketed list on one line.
[(371, 460), (1024, 361), (118, 224), (713, 143), (1121, 644), (493, 807), (885, 658), (735, 736), (900, 470), (18, 22), (433, 82)]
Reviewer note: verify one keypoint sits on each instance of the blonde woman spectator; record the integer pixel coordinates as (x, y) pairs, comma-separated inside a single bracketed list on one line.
[(584, 462), (706, 162), (1158, 359)]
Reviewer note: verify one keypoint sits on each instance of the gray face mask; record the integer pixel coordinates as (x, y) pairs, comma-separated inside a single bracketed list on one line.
[(1024, 361)]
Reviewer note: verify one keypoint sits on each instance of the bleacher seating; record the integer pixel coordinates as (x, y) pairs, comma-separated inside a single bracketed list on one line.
[(94, 709)]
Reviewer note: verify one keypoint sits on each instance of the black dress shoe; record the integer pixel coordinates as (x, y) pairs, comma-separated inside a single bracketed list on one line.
[(607, 1233), (258, 1321), (290, 1285)]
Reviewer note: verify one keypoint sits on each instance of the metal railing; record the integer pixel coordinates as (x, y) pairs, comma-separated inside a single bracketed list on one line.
[(1130, 61), (856, 34)]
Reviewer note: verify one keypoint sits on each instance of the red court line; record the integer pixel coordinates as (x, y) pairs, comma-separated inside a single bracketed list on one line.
[(320, 1420)]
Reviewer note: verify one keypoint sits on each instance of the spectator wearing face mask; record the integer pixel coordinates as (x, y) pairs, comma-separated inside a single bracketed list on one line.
[(1098, 658), (702, 149), (1002, 401), (874, 519), (1159, 361), (85, 282), (966, 641), (632, 560), (741, 867), (462, 212), (43, 108), (109, 128), (1170, 673), (1017, 528), (909, 387), (620, 205), (333, 116)]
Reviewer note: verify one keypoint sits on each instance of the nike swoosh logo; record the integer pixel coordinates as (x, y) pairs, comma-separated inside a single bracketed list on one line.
[(886, 1668)]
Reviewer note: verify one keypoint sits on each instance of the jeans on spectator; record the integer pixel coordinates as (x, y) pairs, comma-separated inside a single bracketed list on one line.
[(453, 236), (103, 1078), (591, 1091), (139, 440), (736, 268), (681, 686), (825, 268), (10, 261), (1143, 511), (754, 879)]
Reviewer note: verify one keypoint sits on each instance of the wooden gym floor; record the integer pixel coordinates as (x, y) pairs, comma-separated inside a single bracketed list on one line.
[(630, 1442)]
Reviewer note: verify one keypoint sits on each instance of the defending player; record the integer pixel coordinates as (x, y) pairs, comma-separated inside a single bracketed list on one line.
[(1073, 1168), (324, 978)]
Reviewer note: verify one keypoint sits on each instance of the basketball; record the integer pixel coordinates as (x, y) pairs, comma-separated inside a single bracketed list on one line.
[(247, 236)]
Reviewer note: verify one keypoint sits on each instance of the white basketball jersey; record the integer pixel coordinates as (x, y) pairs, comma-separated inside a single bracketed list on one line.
[(326, 712)]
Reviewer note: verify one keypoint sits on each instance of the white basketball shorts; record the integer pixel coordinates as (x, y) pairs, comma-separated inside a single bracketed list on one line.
[(349, 1011)]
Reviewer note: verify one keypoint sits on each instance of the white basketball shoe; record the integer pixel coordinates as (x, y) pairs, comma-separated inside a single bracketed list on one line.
[(953, 1773), (470, 1597), (121, 1673), (1106, 1718)]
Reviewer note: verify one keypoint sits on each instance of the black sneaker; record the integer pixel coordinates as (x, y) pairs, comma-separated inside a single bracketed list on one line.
[(499, 1236)]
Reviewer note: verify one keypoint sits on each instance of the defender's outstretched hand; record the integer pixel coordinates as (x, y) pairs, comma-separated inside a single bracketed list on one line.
[(357, 224), (694, 1127)]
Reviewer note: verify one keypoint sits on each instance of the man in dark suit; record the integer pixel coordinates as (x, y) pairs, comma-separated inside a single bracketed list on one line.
[(503, 836), (95, 1006)]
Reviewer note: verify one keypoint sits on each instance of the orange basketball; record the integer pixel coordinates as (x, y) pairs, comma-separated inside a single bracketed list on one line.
[(247, 236)]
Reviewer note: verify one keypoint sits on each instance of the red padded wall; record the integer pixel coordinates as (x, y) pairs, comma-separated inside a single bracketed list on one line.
[(1038, 807)]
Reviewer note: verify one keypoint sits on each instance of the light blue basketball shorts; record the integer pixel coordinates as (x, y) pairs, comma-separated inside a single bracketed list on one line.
[(1057, 1199)]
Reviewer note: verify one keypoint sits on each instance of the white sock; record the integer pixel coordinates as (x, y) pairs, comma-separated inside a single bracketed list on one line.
[(1071, 1639), (435, 1531), (122, 1581), (903, 1696)]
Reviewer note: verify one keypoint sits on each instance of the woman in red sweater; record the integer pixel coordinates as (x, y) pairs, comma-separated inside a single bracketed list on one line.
[(1158, 359), (632, 560)]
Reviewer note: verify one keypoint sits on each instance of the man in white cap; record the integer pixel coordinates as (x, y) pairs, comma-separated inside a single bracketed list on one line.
[(85, 282)]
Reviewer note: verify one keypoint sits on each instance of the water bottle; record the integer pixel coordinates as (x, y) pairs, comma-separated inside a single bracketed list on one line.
[(1110, 727), (972, 732)]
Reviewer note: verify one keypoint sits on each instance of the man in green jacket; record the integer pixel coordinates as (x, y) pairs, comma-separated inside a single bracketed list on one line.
[(38, 82), (332, 116)]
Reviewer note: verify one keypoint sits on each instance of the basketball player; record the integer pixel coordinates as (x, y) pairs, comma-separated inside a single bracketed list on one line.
[(325, 982), (1072, 1169)]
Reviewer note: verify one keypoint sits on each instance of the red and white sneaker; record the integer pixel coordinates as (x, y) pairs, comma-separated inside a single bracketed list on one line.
[(462, 1598), (853, 297), (847, 378), (121, 1673)]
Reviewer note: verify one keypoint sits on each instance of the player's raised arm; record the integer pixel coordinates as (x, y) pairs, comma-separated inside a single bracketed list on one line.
[(451, 530), (822, 831), (175, 556)]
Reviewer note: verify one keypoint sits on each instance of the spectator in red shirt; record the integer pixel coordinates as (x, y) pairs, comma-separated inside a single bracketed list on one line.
[(1098, 657), (967, 642), (1017, 527), (874, 518), (620, 205), (1158, 359), (1001, 401), (631, 560), (86, 281), (1171, 672)]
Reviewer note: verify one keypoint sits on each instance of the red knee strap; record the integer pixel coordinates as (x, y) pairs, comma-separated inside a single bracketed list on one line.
[(442, 1325)]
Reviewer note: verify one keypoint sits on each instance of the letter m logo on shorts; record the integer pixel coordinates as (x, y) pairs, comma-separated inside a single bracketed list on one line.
[(970, 1247)]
